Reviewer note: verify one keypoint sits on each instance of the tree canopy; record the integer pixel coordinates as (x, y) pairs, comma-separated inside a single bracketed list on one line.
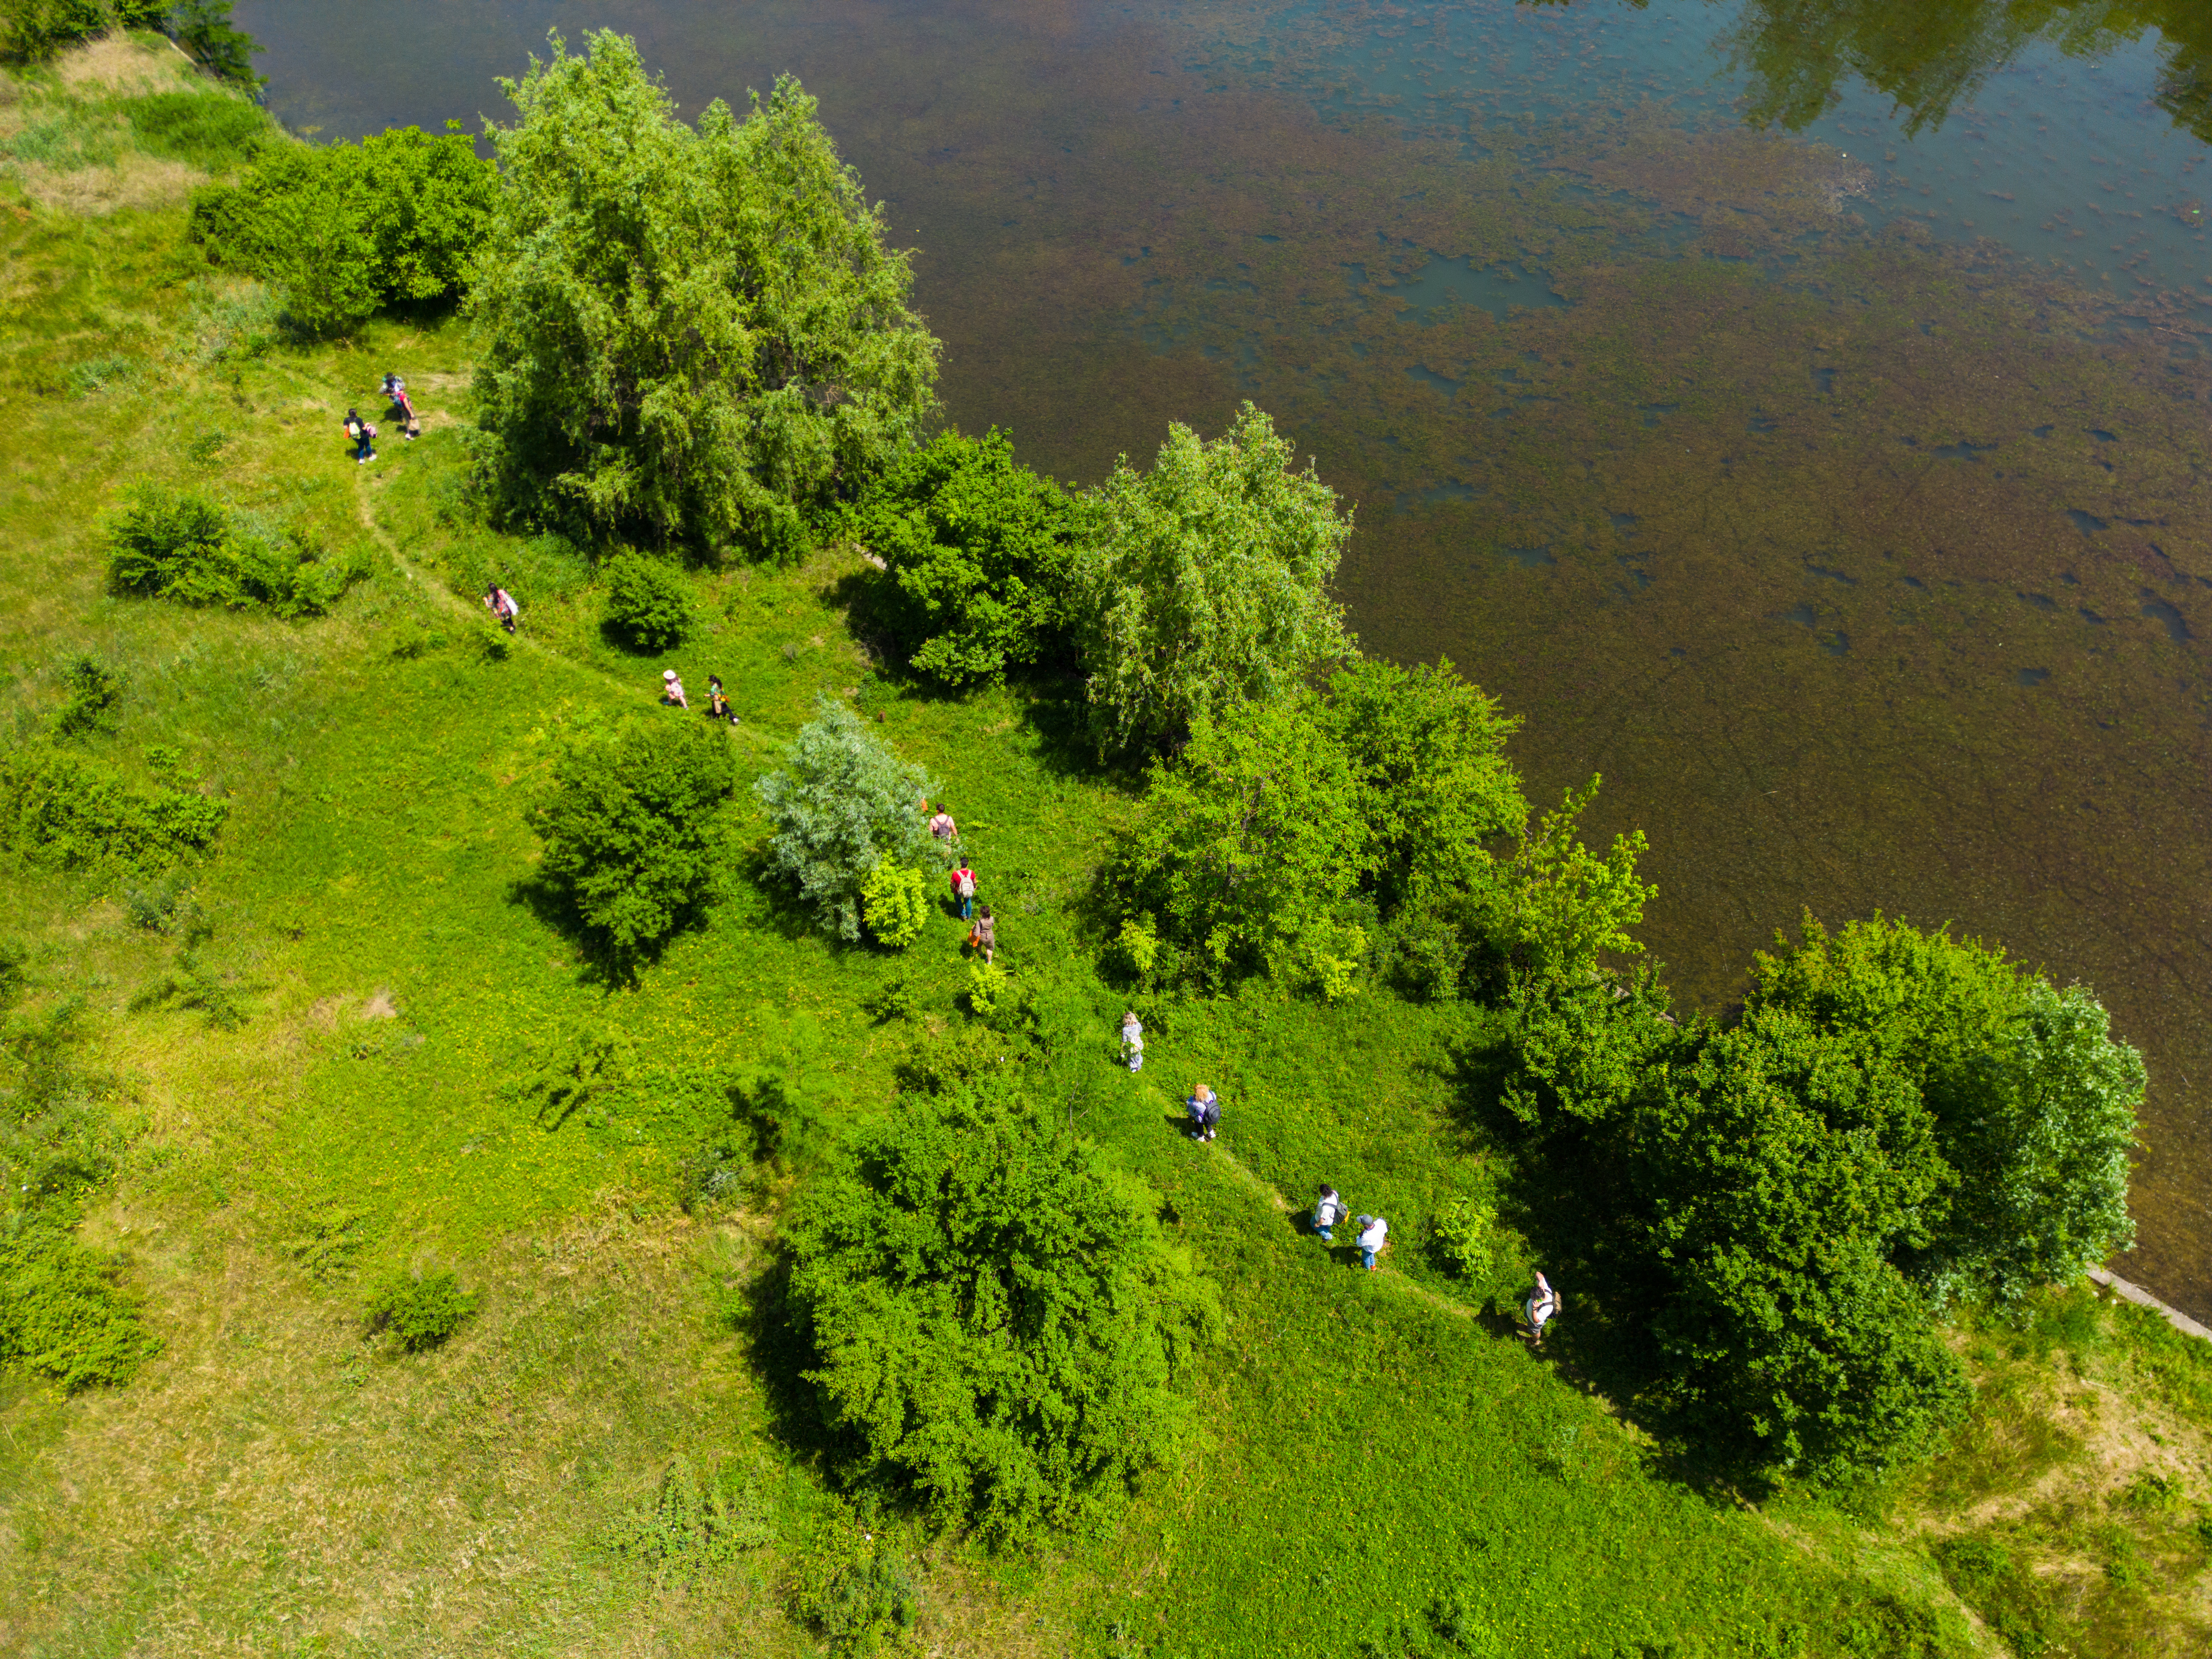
[(692, 335), (1204, 582), (997, 1318)]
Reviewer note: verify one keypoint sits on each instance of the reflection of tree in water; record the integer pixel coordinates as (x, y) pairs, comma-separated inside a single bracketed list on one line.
[(1929, 54)]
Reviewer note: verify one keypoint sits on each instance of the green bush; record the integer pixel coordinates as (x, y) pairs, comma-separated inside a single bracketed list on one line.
[(629, 831), (998, 1321), (697, 1526), (62, 1313), (843, 803), (687, 336), (895, 904), (94, 692), (989, 988), (975, 547), (177, 544), (647, 604), (32, 31), (854, 1590), (345, 230), (1203, 583), (420, 1311), (63, 812)]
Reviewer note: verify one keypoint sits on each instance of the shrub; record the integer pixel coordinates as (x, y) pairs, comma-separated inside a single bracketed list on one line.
[(1571, 908), (647, 604), (690, 335), (627, 829), (997, 1319), (895, 904), (345, 230), (976, 550), (1249, 850), (695, 1527), (32, 31), (62, 1313), (843, 802), (1203, 582), (988, 988), (94, 692), (420, 1311), (177, 544), (66, 813), (853, 1590)]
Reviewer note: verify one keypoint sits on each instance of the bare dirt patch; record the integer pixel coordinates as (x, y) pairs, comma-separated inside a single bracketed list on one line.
[(379, 1006)]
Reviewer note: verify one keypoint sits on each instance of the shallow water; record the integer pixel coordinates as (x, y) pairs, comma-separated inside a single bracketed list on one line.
[(1838, 492)]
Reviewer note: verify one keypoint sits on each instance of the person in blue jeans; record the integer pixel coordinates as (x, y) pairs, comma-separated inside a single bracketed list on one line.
[(1373, 1231), (362, 433), (1328, 1210), (1205, 1108)]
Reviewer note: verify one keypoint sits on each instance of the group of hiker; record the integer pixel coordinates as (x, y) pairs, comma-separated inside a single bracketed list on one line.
[(1203, 1108), (983, 928), (362, 433), (718, 700)]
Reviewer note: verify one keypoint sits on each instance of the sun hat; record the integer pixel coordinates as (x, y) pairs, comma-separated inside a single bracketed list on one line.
[(668, 673)]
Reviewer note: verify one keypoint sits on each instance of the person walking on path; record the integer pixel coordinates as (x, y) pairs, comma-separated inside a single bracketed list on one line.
[(983, 935), (717, 702), (1374, 1234), (1328, 1210), (501, 604), (1205, 1108), (1133, 1041), (363, 435), (672, 690), (1542, 1303), (963, 889), (404, 412), (942, 828)]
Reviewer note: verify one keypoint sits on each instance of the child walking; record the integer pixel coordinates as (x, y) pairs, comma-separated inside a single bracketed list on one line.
[(363, 435), (1205, 1109), (1374, 1233), (1133, 1041)]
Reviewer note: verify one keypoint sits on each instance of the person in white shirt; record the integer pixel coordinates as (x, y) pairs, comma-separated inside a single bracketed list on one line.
[(1374, 1232), (1542, 1303), (1328, 1210), (1133, 1041), (672, 690)]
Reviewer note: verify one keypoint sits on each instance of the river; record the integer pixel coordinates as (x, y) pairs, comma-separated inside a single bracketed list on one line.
[(1796, 409)]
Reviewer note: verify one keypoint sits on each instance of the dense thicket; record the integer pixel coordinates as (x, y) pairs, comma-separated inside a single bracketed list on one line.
[(976, 547), (343, 231), (693, 336), (842, 804), (628, 832), (1773, 1218), (1204, 582), (999, 1322)]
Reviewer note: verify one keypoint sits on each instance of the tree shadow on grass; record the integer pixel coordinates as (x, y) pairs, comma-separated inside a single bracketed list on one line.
[(604, 964)]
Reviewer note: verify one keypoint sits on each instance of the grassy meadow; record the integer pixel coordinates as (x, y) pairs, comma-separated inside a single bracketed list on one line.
[(1385, 1467)]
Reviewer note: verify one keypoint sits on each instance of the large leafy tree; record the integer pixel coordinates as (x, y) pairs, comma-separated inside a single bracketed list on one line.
[(1250, 849), (999, 1320), (842, 804), (975, 548), (2033, 1100), (1779, 1172), (696, 335), (1204, 582), (629, 833)]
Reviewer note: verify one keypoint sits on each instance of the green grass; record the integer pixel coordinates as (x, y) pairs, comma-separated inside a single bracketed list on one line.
[(1378, 1449)]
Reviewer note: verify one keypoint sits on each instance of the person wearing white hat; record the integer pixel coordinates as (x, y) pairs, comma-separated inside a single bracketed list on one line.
[(672, 690)]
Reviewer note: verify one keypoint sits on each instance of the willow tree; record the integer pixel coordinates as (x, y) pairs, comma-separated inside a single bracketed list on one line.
[(688, 335), (1204, 582)]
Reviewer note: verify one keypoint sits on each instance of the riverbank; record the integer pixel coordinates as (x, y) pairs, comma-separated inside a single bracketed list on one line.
[(1373, 1447)]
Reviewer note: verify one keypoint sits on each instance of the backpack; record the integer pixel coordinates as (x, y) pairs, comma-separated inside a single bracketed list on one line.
[(967, 884), (1209, 1112)]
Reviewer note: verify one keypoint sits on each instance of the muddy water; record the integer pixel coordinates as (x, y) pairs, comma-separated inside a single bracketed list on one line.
[(1837, 490)]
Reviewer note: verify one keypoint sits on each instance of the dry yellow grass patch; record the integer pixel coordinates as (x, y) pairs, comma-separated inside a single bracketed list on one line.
[(134, 182), (116, 62)]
